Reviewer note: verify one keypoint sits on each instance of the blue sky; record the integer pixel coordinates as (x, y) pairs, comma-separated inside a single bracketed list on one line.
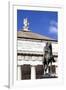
[(42, 22)]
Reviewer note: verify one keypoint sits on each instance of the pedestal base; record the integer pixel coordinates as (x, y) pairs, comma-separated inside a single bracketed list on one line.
[(47, 75)]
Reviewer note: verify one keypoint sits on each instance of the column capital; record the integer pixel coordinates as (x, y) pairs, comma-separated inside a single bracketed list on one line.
[(33, 65)]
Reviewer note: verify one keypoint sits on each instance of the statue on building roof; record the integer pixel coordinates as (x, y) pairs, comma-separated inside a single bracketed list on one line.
[(26, 24)]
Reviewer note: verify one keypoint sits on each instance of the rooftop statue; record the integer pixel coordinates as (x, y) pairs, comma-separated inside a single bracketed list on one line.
[(26, 24)]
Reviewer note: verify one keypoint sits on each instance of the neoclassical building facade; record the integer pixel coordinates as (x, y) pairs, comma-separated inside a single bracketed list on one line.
[(30, 51)]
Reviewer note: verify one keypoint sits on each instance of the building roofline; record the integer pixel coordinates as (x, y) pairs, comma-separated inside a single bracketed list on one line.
[(38, 39)]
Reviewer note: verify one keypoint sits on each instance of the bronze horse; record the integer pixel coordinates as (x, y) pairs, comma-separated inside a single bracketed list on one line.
[(48, 56)]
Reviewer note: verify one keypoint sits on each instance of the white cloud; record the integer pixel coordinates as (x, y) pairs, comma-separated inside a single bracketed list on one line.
[(53, 27)]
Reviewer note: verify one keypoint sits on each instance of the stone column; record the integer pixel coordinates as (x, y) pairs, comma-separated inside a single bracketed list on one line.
[(33, 72), (19, 72)]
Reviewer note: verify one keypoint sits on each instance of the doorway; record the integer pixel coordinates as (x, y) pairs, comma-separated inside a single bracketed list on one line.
[(25, 72), (39, 71)]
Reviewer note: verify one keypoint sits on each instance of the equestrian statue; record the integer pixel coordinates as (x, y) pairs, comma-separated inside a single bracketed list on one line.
[(48, 57)]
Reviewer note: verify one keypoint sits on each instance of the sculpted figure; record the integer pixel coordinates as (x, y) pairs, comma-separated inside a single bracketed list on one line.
[(48, 57)]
